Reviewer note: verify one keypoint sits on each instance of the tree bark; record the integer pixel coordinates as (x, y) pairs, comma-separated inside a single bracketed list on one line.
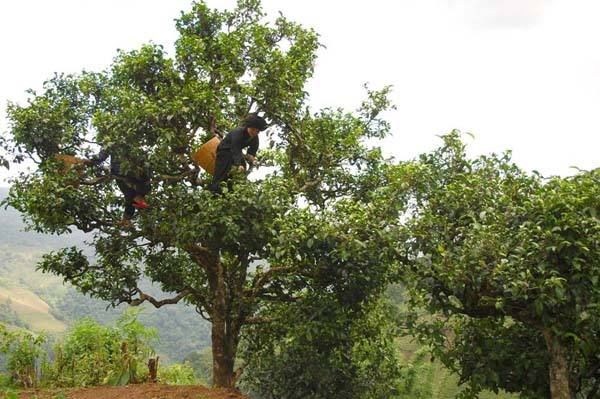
[(222, 364), (224, 333), (223, 357), (559, 367)]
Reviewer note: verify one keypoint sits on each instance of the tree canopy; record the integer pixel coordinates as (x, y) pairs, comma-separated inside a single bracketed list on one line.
[(510, 263)]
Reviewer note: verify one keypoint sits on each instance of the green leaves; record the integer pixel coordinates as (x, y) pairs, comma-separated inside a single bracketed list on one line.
[(492, 241), (24, 353)]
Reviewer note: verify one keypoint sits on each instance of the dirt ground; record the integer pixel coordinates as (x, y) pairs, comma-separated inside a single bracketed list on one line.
[(140, 391)]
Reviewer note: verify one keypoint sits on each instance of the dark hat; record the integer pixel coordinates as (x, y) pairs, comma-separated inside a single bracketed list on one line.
[(253, 120)]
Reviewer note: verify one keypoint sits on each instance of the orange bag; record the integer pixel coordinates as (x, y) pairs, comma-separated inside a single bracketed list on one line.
[(206, 155), (69, 162)]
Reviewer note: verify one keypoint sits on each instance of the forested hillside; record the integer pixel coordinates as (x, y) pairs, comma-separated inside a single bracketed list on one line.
[(37, 301)]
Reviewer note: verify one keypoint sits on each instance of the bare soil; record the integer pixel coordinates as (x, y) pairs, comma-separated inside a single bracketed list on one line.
[(138, 391)]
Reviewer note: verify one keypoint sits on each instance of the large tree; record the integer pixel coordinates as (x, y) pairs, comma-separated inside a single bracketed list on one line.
[(272, 239), (510, 263)]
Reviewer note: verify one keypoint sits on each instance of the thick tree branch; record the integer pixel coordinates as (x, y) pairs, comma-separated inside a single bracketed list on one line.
[(156, 303), (203, 257), (174, 178), (260, 280), (259, 320), (96, 181)]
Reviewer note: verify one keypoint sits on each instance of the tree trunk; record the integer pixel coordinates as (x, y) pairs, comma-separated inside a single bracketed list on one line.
[(223, 350), (223, 356), (559, 367)]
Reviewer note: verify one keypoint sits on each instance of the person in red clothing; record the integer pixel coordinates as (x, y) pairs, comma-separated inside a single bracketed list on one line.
[(229, 152)]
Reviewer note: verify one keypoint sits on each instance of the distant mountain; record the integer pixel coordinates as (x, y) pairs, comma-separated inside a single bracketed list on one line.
[(37, 301)]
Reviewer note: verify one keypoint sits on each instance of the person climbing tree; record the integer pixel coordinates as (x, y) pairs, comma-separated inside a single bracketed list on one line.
[(134, 183), (229, 151)]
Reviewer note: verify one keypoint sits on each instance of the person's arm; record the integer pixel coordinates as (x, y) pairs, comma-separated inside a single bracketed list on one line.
[(98, 159), (250, 156), (237, 136), (253, 148)]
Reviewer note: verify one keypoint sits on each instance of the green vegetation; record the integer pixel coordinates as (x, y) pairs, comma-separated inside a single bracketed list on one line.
[(231, 256), (323, 350), (177, 374), (90, 354), (499, 268), (510, 265), (25, 355), (10, 316)]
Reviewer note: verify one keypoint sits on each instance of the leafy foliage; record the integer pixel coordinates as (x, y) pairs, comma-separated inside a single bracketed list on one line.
[(506, 257), (21, 250), (177, 374), (92, 354), (25, 354), (320, 349)]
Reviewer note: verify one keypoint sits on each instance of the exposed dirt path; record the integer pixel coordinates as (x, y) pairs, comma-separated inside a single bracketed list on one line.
[(139, 391)]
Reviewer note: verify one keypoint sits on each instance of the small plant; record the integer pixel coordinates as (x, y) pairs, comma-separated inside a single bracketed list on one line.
[(177, 374), (4, 381), (24, 354), (9, 394), (135, 350), (93, 354)]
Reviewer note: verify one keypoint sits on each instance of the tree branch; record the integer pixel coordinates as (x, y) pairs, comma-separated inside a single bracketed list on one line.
[(174, 178), (202, 314), (259, 320), (156, 303), (261, 279), (202, 255)]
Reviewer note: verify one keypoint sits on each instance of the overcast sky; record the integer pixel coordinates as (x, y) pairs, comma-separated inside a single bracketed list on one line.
[(518, 74)]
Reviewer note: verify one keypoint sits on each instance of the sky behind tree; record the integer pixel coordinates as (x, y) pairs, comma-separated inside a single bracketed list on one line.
[(517, 74)]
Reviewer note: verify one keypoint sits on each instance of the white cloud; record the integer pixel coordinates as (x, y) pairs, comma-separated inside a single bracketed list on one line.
[(501, 13)]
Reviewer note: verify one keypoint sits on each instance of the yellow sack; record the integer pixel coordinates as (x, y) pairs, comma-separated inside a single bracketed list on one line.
[(70, 162), (206, 155)]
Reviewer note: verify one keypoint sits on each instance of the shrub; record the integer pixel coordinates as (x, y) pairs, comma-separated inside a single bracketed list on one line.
[(177, 374), (24, 355), (93, 354)]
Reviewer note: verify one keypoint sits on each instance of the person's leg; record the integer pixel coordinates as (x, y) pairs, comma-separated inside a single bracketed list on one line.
[(223, 165), (128, 194), (142, 187)]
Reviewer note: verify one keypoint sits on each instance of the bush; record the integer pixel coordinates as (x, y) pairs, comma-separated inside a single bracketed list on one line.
[(24, 355), (93, 354), (177, 374)]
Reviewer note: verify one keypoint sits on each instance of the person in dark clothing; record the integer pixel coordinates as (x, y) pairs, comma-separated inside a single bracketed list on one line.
[(134, 186), (229, 152)]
